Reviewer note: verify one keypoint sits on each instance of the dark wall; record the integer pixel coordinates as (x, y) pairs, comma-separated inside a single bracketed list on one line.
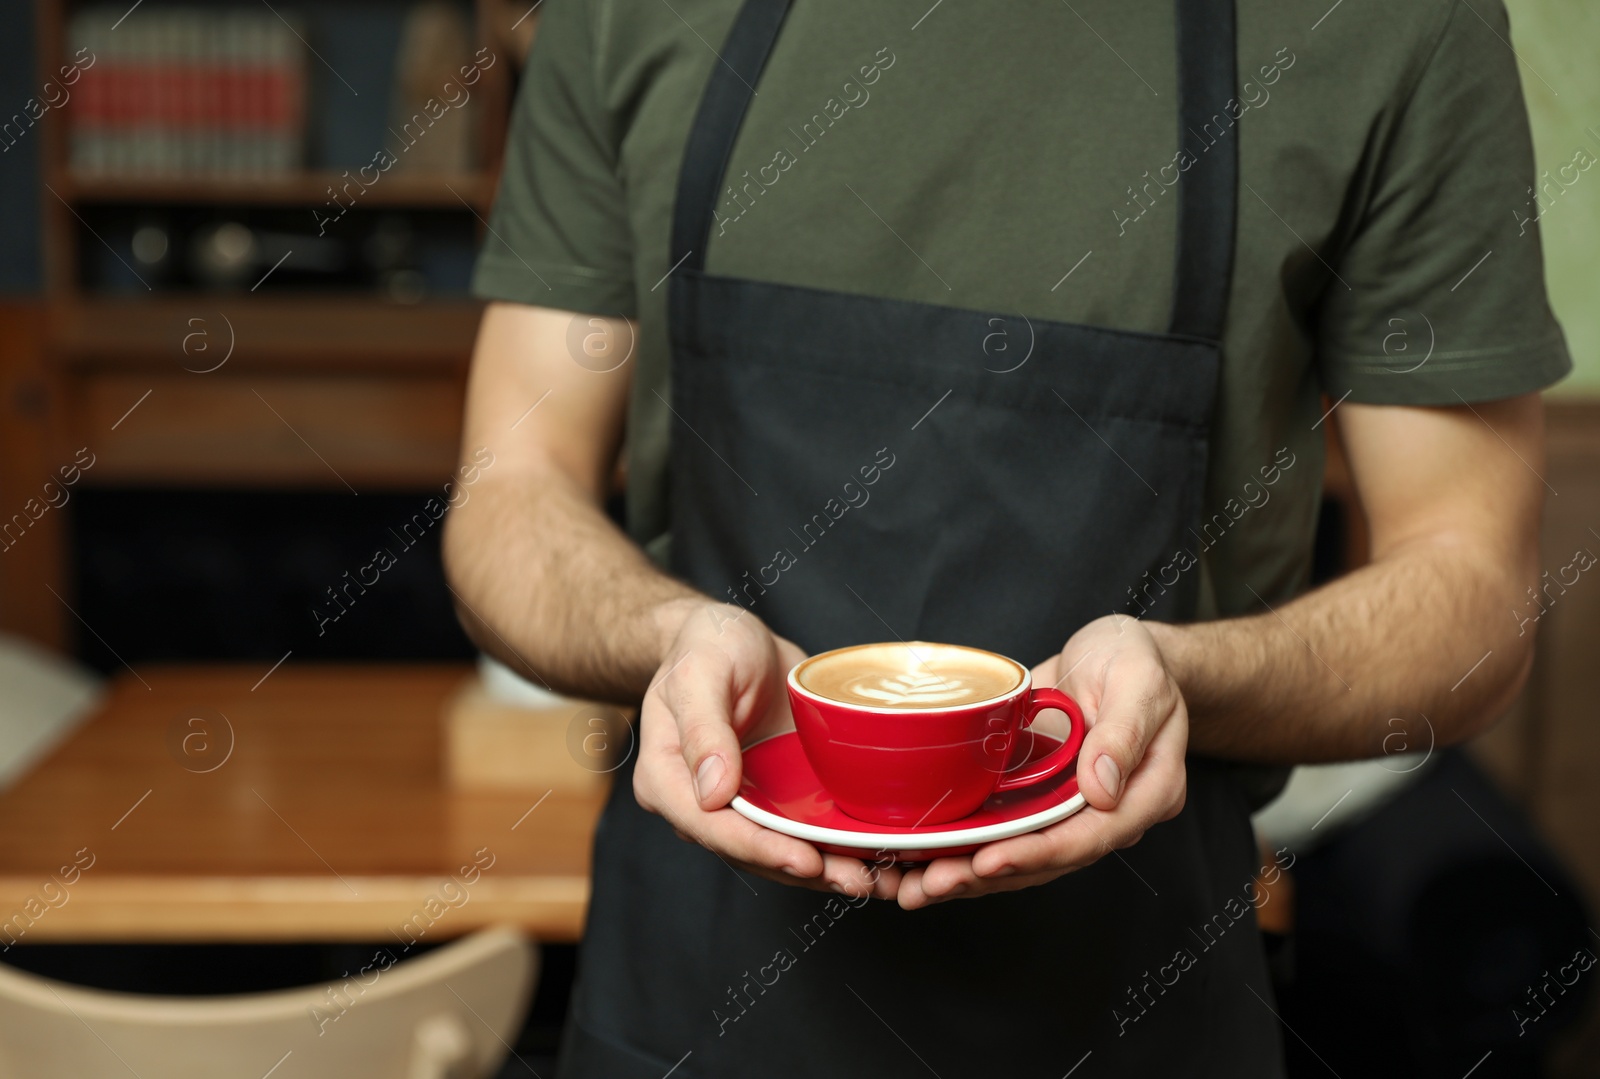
[(20, 268)]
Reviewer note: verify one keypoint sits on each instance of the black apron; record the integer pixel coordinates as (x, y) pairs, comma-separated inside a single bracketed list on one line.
[(857, 469)]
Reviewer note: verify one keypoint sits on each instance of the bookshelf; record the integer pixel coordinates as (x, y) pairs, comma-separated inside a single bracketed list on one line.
[(402, 362), (328, 383)]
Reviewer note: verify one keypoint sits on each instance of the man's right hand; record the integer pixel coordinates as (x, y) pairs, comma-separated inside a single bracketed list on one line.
[(720, 684)]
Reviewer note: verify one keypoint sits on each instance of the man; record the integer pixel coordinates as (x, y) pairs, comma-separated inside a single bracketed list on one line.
[(1068, 282)]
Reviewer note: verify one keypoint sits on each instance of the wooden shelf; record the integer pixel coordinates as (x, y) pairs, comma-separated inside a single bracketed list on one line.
[(318, 392), (321, 389), (463, 191), (331, 333)]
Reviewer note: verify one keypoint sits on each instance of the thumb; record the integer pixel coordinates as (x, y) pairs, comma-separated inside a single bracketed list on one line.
[(1132, 705), (700, 695)]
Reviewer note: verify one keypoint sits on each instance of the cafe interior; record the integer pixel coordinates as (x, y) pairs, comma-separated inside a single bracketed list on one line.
[(249, 761)]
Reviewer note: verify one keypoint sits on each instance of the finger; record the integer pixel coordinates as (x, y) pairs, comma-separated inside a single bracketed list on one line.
[(914, 896), (1137, 699), (841, 875), (663, 786), (859, 879), (945, 879), (780, 872), (1045, 674), (940, 879), (1077, 841), (698, 694), (1080, 840), (1156, 793), (886, 883), (911, 896), (738, 839), (810, 884), (1077, 669)]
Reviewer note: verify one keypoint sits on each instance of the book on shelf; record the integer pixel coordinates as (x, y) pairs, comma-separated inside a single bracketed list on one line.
[(187, 92)]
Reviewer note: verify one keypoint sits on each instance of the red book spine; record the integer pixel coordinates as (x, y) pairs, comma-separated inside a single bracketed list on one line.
[(205, 101), (85, 110), (165, 73), (256, 103), (230, 78), (293, 130), (187, 111), (250, 95), (140, 115), (276, 113), (116, 111)]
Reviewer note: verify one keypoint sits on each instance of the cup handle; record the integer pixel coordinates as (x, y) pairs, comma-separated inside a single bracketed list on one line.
[(1058, 759)]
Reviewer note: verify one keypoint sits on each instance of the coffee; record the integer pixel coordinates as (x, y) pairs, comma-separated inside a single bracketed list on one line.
[(909, 675), (920, 734)]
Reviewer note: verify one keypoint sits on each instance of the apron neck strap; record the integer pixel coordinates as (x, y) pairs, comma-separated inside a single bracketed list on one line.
[(716, 126), (1207, 191)]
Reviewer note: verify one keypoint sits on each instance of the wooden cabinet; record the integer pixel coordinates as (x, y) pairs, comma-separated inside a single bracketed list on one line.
[(229, 388)]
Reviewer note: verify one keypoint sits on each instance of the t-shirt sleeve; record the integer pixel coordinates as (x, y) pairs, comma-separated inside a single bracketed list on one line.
[(558, 235), (1441, 296)]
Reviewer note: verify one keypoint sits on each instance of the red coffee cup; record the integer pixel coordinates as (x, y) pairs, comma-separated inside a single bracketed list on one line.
[(922, 752)]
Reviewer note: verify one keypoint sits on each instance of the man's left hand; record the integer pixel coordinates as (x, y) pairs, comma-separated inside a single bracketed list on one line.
[(1130, 768)]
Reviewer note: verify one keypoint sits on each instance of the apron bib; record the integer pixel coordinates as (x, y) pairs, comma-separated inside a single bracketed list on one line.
[(858, 469)]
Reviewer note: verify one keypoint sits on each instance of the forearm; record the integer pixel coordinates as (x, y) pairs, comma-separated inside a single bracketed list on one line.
[(547, 584), (543, 580), (1321, 677)]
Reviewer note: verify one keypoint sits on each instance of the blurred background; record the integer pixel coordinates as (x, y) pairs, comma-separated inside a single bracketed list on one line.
[(244, 746)]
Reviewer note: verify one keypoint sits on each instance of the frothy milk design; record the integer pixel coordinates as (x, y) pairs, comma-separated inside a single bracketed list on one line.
[(910, 690), (911, 676)]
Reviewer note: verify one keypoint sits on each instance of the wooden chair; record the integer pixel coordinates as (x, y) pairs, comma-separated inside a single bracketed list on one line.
[(449, 1014)]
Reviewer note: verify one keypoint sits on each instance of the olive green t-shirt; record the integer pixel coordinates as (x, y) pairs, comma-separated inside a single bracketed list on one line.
[(1020, 158)]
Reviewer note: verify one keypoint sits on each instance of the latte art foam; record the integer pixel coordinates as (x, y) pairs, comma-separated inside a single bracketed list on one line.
[(910, 676), (908, 690)]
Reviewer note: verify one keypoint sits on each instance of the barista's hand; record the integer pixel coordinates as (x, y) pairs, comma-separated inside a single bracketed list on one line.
[(721, 684), (1130, 768)]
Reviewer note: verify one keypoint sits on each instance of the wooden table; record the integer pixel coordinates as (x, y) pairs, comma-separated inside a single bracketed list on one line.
[(327, 820)]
